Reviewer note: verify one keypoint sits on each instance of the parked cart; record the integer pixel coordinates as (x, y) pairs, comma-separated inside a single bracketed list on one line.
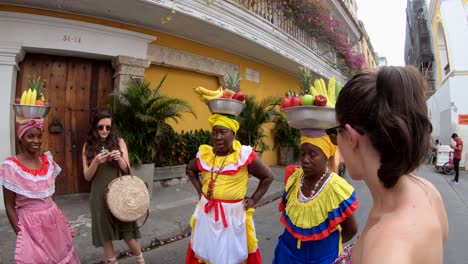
[(444, 160)]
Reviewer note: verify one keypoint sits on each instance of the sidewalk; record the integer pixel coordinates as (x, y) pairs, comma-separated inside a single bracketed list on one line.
[(169, 217)]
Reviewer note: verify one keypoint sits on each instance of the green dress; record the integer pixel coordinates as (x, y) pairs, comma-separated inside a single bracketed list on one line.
[(103, 228)]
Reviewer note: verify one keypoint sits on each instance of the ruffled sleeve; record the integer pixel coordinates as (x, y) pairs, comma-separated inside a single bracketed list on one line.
[(31, 183), (320, 217)]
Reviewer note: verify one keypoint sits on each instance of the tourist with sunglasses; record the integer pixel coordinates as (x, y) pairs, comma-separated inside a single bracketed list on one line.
[(384, 135), (317, 206), (223, 230), (105, 155)]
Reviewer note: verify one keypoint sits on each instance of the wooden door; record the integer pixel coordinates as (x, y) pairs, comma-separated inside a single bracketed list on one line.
[(75, 88)]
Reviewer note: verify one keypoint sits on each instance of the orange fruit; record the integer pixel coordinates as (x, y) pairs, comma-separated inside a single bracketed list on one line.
[(39, 102)]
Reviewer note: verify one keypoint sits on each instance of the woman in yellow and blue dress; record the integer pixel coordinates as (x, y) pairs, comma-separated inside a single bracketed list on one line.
[(316, 207), (223, 230)]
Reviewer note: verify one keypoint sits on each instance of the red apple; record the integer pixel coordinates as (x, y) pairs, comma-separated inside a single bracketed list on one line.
[(17, 100), (286, 102), (240, 96), (320, 100), (296, 101), (307, 99)]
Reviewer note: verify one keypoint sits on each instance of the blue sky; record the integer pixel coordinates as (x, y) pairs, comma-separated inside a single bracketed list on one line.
[(385, 22)]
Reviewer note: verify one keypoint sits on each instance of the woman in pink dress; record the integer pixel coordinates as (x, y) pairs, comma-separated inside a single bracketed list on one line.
[(44, 235)]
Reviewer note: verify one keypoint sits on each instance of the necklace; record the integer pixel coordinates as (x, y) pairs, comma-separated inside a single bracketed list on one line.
[(213, 177), (314, 191)]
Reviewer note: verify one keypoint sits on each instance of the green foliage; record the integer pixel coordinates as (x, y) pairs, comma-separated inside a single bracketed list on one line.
[(286, 136), (179, 148), (141, 113), (253, 117)]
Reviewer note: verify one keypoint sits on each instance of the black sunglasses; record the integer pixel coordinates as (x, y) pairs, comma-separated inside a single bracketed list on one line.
[(100, 128), (333, 134)]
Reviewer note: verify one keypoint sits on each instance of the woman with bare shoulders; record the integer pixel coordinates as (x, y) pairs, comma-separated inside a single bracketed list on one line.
[(384, 135)]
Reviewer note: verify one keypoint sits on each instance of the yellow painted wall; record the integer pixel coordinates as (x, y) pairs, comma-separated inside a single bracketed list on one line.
[(179, 82), (371, 63)]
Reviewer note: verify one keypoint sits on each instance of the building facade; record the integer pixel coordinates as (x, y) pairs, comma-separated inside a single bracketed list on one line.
[(84, 52), (418, 47), (448, 107), (368, 50)]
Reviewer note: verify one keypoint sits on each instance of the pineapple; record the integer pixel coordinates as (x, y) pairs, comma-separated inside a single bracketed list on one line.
[(233, 82), (37, 85), (306, 79)]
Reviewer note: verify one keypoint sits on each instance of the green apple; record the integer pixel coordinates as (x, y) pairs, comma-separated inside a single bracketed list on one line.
[(307, 99)]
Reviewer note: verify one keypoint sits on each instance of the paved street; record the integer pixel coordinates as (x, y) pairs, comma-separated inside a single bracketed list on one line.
[(268, 226)]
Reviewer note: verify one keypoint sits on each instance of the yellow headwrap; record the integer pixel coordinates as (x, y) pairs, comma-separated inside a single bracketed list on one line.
[(222, 120), (322, 142)]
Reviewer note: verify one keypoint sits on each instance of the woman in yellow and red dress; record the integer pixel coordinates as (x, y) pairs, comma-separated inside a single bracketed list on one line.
[(317, 207), (223, 230)]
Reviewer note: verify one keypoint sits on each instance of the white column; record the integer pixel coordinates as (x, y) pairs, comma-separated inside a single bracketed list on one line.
[(10, 55)]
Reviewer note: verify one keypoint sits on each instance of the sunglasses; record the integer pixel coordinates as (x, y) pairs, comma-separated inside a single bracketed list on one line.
[(100, 128), (333, 134)]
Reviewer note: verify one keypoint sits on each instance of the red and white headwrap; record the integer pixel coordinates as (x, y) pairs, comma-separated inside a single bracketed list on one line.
[(29, 123)]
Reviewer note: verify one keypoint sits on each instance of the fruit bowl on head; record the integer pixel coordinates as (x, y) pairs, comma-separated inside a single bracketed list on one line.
[(225, 106), (310, 116), (31, 111)]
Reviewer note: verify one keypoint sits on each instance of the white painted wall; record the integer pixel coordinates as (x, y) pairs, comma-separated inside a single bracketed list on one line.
[(26, 32), (455, 24)]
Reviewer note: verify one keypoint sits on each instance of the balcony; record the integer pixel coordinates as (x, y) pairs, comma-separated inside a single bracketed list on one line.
[(252, 29)]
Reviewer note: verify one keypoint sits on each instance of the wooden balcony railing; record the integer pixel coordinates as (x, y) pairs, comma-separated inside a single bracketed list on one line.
[(267, 10)]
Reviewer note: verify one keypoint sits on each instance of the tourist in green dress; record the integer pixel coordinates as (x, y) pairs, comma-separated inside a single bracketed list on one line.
[(104, 154)]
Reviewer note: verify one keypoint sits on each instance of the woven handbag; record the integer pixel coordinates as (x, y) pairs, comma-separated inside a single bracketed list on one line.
[(127, 198)]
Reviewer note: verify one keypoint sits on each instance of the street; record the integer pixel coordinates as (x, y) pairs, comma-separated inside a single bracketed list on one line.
[(269, 228)]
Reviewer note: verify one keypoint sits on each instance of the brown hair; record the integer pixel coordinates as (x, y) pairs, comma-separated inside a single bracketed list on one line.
[(94, 143), (389, 105)]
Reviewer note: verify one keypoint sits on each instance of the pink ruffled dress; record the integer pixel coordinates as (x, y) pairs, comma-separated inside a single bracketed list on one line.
[(45, 235)]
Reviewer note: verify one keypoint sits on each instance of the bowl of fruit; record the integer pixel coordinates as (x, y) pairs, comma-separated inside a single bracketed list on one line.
[(32, 103), (225, 106), (224, 100), (314, 108), (310, 116)]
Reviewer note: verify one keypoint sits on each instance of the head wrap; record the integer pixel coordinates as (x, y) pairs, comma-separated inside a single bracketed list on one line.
[(225, 121), (323, 143), (26, 124)]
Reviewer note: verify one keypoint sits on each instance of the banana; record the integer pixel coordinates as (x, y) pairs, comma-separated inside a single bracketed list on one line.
[(23, 98), (331, 91), (216, 96), (207, 92), (33, 98), (28, 97), (323, 87)]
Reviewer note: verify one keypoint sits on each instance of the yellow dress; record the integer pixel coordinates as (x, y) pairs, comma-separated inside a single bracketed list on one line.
[(223, 218), (312, 229)]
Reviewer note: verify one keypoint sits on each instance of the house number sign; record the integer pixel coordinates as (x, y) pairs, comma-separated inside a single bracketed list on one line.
[(72, 39)]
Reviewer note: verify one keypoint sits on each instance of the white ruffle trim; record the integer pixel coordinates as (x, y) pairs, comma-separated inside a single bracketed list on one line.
[(30, 194), (53, 169), (245, 152)]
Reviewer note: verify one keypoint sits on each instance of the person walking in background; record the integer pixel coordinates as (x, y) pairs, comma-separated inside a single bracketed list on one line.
[(105, 155), (44, 235), (457, 155), (223, 230), (317, 207), (384, 136)]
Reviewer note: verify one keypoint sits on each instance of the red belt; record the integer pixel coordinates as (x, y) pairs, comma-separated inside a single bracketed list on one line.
[(218, 206)]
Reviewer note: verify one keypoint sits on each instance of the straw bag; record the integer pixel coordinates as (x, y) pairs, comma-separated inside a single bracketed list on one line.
[(127, 198)]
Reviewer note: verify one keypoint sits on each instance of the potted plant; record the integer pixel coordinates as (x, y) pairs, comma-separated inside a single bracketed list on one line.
[(141, 113), (287, 140), (252, 118), (175, 150)]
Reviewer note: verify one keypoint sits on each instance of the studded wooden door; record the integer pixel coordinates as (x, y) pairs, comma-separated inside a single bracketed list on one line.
[(75, 88)]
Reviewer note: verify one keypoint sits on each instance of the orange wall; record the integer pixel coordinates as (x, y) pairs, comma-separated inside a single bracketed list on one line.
[(180, 82)]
